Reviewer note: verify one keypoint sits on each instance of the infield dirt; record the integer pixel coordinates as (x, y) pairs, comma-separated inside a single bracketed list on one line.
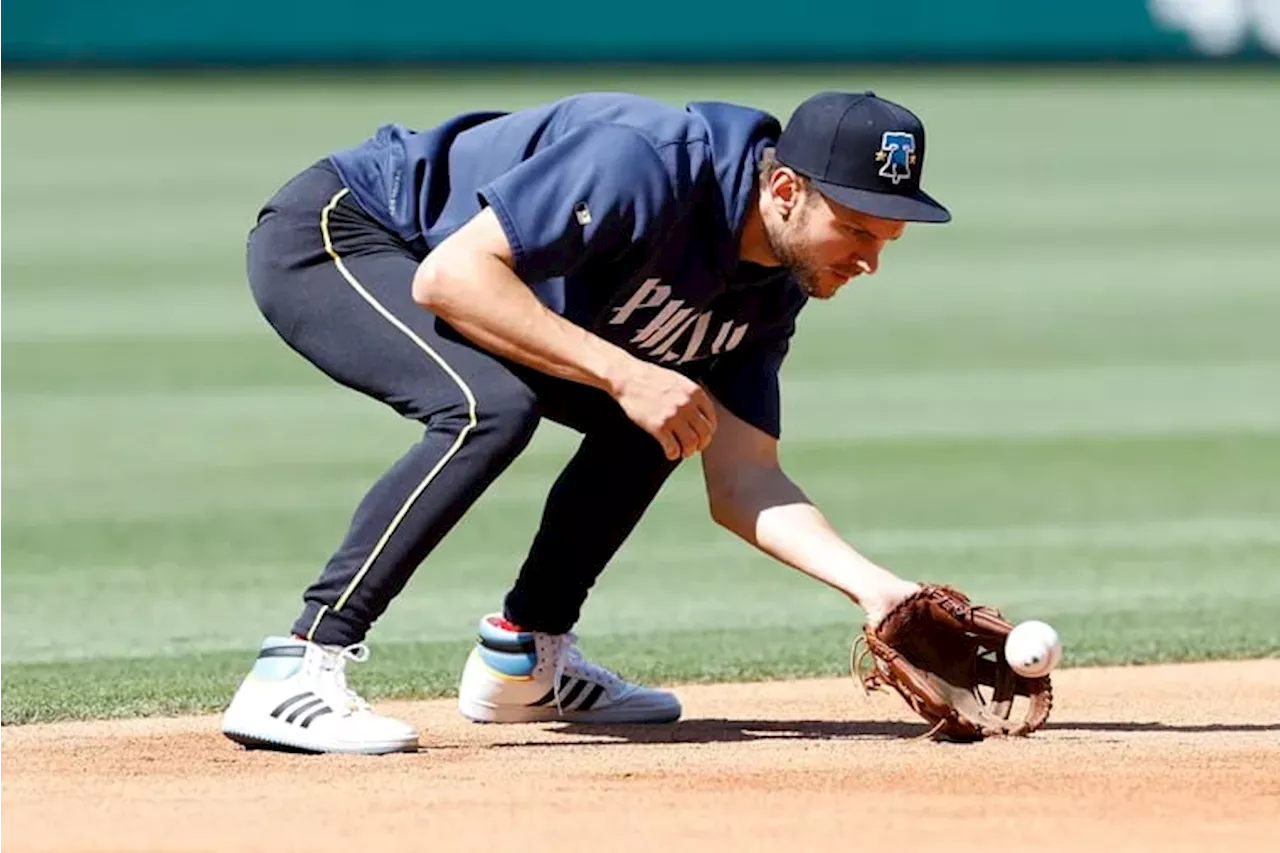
[(1165, 758)]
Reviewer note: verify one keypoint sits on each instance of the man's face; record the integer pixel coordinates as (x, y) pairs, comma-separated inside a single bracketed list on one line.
[(825, 244)]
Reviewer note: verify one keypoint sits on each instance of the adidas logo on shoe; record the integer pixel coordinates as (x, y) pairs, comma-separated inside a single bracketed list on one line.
[(518, 676), (306, 703), (575, 694)]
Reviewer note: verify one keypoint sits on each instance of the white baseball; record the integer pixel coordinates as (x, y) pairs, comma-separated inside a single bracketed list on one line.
[(1033, 648)]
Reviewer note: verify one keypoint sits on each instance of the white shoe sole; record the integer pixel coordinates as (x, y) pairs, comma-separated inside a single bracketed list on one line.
[(486, 712), (273, 734)]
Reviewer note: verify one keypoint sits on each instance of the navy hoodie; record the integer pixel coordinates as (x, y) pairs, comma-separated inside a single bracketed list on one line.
[(624, 216)]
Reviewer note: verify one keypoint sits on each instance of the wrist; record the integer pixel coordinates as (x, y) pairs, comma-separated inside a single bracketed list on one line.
[(885, 596), (617, 370)]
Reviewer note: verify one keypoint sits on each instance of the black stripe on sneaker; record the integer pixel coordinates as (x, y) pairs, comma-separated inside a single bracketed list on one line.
[(283, 652), (283, 706), (509, 646), (592, 698), (303, 708), (551, 694), (566, 700), (318, 712)]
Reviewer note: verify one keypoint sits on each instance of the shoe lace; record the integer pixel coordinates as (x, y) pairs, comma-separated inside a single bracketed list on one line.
[(330, 665), (569, 658)]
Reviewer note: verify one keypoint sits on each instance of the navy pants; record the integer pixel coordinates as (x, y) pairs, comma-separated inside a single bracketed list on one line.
[(336, 286)]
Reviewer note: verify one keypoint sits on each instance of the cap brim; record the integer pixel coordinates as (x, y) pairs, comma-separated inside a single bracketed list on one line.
[(917, 207)]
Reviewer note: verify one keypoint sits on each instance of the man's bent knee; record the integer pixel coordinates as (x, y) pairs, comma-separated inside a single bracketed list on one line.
[(503, 419)]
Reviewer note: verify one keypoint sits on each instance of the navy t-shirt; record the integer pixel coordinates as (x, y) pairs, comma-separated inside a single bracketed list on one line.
[(624, 216)]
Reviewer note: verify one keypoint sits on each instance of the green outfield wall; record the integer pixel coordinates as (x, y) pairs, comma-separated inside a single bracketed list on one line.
[(143, 32)]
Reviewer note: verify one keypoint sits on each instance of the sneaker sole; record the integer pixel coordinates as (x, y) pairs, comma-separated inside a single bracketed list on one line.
[(249, 741), (289, 739), (480, 712)]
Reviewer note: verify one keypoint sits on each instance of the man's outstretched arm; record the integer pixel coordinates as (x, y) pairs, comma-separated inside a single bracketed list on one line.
[(752, 497)]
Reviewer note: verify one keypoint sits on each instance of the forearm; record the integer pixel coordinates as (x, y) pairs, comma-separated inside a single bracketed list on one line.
[(484, 300), (768, 510)]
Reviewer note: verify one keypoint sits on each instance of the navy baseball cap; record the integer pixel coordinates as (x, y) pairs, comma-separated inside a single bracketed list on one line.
[(863, 152)]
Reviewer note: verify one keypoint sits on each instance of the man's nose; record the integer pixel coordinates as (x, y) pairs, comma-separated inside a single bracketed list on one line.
[(868, 262)]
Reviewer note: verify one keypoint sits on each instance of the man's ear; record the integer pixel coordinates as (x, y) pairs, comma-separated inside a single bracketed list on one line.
[(784, 187)]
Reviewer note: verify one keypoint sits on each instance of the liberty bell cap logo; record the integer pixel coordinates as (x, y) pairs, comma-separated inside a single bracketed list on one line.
[(897, 155)]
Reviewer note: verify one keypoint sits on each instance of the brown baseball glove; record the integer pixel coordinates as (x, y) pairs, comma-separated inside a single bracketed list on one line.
[(945, 655)]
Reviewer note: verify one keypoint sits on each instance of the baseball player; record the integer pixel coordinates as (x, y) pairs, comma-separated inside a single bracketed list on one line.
[(626, 268)]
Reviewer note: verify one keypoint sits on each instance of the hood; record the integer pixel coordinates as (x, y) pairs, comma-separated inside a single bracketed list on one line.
[(737, 134)]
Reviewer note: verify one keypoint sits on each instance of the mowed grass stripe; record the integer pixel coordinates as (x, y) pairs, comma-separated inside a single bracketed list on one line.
[(1046, 572), (1098, 401)]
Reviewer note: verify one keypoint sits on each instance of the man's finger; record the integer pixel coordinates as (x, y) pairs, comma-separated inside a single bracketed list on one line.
[(688, 438), (670, 447), (706, 407), (704, 428)]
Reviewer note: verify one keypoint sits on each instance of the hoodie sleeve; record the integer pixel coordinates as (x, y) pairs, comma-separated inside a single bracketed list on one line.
[(597, 194)]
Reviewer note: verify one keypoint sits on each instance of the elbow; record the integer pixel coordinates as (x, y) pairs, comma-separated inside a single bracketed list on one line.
[(736, 499), (724, 509), (719, 513), (432, 287), (439, 283)]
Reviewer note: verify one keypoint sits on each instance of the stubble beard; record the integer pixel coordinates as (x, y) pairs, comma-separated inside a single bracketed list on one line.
[(786, 245)]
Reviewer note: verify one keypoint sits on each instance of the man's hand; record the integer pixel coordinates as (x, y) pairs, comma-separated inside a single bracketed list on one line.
[(888, 595), (672, 408)]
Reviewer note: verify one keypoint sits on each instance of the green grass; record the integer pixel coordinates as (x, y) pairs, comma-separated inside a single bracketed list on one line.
[(1067, 402)]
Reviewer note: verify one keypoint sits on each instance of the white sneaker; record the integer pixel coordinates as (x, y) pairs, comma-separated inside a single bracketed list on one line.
[(515, 676), (297, 698)]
